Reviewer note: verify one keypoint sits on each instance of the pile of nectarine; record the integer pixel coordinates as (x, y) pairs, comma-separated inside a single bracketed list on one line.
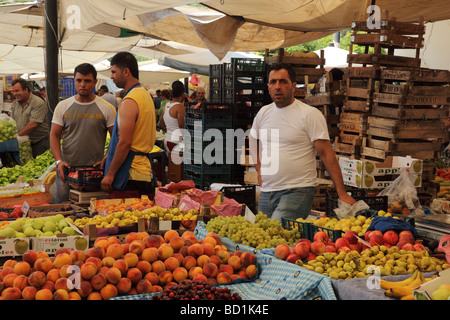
[(142, 264)]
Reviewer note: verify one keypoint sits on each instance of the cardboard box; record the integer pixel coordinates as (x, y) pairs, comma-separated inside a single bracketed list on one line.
[(34, 213), (127, 201), (378, 175), (424, 291), (85, 197), (14, 246), (374, 182), (390, 166), (51, 244)]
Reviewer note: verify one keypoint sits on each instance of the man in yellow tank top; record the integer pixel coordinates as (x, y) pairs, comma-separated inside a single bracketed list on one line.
[(135, 131)]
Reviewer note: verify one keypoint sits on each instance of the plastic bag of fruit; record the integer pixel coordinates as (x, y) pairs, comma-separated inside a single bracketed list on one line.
[(345, 210), (403, 192), (8, 130), (25, 151)]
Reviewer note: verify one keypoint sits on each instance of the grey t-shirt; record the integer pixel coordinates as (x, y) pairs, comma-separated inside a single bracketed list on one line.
[(85, 127)]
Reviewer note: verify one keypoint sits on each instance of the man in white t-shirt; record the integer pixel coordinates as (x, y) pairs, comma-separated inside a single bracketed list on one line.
[(284, 139)]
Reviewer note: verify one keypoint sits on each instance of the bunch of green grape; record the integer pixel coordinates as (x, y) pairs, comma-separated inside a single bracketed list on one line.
[(264, 233)]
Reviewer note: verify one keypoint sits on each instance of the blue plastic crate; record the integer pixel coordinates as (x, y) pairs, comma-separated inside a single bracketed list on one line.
[(67, 87)]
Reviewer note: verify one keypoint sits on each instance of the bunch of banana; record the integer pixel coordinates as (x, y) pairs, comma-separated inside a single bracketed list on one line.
[(403, 289), (50, 178)]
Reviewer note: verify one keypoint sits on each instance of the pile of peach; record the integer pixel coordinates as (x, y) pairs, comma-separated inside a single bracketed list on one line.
[(143, 264)]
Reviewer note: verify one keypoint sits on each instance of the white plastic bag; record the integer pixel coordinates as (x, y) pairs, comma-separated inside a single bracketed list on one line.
[(345, 210), (8, 128), (25, 151)]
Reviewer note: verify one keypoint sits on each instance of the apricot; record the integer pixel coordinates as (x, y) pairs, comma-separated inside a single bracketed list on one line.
[(165, 251), (43, 294), (180, 273), (61, 283), (114, 239), (247, 258), (251, 271), (157, 288), (53, 275), (131, 258), (10, 263), (98, 281), (136, 247), (171, 263), (62, 250), (30, 256), (5, 271), (60, 294), (202, 260), (20, 282), (226, 268), (149, 254), (114, 250), (96, 251), (176, 243), (29, 292), (223, 277), (41, 254), (144, 286), (144, 266), (22, 268), (11, 293), (50, 285), (125, 247), (37, 279), (200, 277), (95, 260), (88, 270), (215, 236), (134, 274), (170, 234), (61, 260), (208, 249), (179, 257), (158, 266), (210, 270), (165, 277), (193, 271), (73, 295), (152, 277), (108, 261), (122, 265), (94, 296), (109, 291), (78, 255), (64, 271), (153, 241), (223, 255), (184, 250), (189, 262), (85, 289), (102, 242), (113, 275), (195, 250), (124, 285), (235, 262), (8, 281), (130, 237)]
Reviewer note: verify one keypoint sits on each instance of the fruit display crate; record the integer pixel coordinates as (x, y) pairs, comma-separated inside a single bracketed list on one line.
[(374, 202), (303, 227), (204, 175), (53, 209), (242, 194), (83, 177), (360, 86)]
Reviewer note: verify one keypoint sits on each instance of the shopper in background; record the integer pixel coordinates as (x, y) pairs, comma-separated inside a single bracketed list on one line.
[(83, 122), (108, 96), (128, 165), (284, 140), (200, 96), (172, 117), (165, 96), (30, 113)]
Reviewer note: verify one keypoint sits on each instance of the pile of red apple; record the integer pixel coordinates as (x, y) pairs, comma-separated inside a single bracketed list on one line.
[(15, 213), (306, 250)]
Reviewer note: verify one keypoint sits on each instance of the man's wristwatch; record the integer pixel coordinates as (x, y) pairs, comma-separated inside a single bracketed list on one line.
[(58, 162)]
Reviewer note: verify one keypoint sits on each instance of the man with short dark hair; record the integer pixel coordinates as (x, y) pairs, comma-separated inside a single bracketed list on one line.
[(107, 96), (83, 122), (128, 164), (30, 113), (284, 139)]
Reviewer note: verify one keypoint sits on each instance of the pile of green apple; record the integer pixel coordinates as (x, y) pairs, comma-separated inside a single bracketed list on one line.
[(8, 130), (32, 170), (39, 227)]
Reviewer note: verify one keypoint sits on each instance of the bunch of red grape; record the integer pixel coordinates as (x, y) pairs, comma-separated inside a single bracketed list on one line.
[(196, 290)]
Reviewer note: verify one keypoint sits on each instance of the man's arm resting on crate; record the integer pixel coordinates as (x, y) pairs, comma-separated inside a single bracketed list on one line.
[(328, 158)]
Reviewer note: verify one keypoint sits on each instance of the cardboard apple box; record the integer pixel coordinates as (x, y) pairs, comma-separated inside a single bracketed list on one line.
[(367, 181), (51, 244), (423, 292), (390, 166), (14, 246)]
